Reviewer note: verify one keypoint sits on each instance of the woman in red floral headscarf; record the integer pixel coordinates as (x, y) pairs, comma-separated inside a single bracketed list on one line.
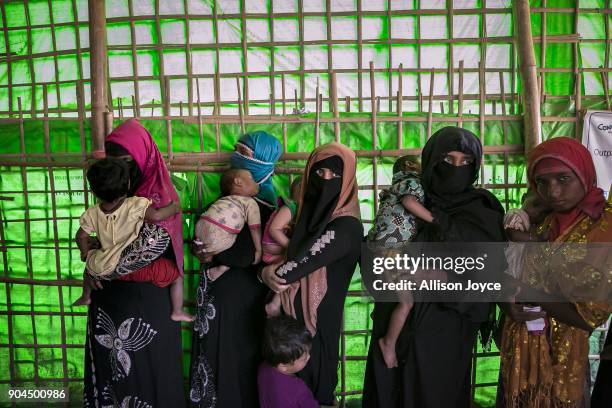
[(549, 368)]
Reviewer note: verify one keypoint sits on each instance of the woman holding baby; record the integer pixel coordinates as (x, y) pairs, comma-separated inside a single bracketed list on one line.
[(230, 300), (321, 257), (133, 350), (434, 346), (549, 367)]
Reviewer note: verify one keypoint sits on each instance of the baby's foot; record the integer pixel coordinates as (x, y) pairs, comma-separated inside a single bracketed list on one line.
[(215, 272), (180, 316), (273, 307), (388, 352), (82, 301)]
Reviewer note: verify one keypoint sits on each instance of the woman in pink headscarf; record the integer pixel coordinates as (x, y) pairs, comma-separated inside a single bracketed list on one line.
[(133, 351)]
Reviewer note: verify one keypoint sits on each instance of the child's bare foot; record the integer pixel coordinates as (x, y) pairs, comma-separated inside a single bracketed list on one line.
[(273, 308), (215, 272), (180, 316), (388, 352), (82, 301)]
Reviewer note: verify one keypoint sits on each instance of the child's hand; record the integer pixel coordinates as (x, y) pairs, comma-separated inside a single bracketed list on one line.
[(257, 257), (517, 219), (93, 243)]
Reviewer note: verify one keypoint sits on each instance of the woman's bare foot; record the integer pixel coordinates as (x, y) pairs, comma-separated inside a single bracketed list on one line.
[(180, 316), (216, 272), (273, 308), (388, 352), (82, 301)]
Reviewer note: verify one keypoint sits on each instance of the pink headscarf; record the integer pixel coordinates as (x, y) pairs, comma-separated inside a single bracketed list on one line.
[(156, 184)]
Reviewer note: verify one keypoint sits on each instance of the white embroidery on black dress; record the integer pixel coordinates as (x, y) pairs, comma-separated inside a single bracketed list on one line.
[(120, 341), (206, 309), (151, 243), (129, 401), (317, 247), (286, 267), (322, 242), (202, 390)]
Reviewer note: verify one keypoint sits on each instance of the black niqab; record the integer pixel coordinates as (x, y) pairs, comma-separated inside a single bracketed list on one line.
[(461, 212), (318, 204)]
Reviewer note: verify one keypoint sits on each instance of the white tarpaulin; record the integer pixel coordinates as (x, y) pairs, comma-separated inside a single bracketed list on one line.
[(597, 137)]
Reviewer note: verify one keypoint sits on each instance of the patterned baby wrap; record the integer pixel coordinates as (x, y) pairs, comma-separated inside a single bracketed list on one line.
[(393, 223)]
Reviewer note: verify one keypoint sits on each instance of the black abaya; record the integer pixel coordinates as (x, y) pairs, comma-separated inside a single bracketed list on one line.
[(339, 254), (133, 351), (435, 345), (226, 350)]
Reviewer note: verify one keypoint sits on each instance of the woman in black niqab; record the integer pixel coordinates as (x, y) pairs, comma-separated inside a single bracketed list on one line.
[(435, 346)]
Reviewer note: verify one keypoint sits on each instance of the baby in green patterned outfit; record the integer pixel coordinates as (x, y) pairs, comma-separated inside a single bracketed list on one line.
[(396, 223)]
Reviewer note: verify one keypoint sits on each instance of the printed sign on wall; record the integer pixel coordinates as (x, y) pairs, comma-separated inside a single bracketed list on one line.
[(597, 137)]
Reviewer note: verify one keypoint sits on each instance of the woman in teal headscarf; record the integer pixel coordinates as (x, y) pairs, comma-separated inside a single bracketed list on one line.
[(230, 311), (258, 152)]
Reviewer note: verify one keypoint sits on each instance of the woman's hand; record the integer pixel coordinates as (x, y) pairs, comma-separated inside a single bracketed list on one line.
[(269, 277), (197, 250), (90, 282), (515, 312)]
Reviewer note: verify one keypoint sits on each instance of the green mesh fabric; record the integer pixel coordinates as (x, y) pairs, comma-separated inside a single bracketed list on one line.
[(155, 48)]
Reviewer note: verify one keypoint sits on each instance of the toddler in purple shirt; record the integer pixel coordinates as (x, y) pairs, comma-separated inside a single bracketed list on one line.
[(286, 350)]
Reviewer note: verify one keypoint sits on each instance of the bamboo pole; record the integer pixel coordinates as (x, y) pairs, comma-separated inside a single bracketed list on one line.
[(284, 105), (223, 157), (400, 107), (577, 78), (460, 104), (318, 122), (99, 91), (199, 110), (482, 108), (46, 123), (167, 109), (543, 52), (27, 227), (432, 78), (373, 107), (108, 127), (578, 104), (217, 109), (317, 116), (81, 119), (334, 102), (240, 114), (604, 79), (528, 70)]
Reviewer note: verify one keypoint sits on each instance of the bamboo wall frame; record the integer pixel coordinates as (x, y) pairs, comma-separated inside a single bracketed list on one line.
[(202, 162)]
